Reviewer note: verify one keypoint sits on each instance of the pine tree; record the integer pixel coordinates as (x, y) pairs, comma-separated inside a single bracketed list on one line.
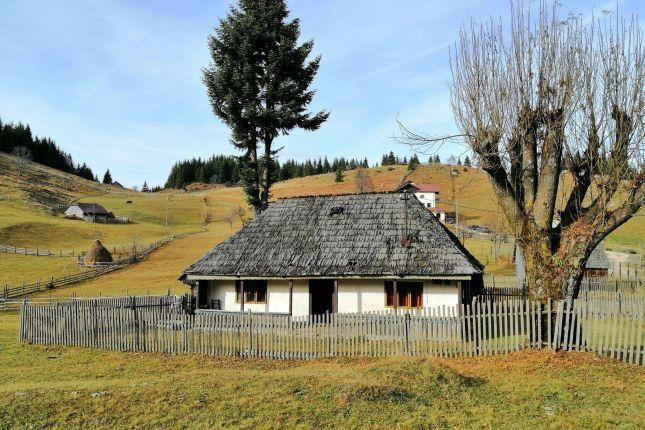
[(340, 177), (258, 84), (437, 160), (326, 166), (467, 162), (391, 159), (459, 161), (145, 188), (414, 162), (107, 177)]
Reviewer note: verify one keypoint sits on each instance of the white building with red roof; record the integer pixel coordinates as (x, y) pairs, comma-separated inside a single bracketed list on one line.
[(427, 194)]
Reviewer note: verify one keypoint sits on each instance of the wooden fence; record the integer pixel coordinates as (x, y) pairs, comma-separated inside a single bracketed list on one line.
[(89, 273), (484, 328), (509, 286), (35, 251)]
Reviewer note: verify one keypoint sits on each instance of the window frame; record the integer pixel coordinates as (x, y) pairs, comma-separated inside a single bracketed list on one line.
[(252, 288), (404, 288)]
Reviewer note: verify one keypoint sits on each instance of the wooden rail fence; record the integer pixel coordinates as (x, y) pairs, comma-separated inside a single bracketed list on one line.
[(89, 273), (8, 249), (483, 328)]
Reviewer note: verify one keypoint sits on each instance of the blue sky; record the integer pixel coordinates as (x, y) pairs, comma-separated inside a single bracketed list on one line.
[(118, 83)]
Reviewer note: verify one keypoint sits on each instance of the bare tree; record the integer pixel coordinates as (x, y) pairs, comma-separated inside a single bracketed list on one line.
[(23, 155), (239, 213), (207, 214), (549, 102), (363, 179), (498, 232), (233, 214)]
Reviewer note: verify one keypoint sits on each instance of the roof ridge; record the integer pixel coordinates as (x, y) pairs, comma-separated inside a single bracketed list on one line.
[(338, 195)]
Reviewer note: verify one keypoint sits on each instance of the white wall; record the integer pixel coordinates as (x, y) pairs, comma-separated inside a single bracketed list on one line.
[(277, 296), (74, 211), (427, 198), (354, 295), (440, 295)]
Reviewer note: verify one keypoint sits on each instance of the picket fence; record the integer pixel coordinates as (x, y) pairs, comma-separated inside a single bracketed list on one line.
[(483, 328)]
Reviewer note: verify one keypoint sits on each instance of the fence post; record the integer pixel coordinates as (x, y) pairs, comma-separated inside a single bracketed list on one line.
[(407, 333), (21, 333), (136, 322), (549, 320), (250, 354)]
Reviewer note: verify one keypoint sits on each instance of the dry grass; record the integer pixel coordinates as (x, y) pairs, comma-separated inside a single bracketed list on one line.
[(24, 222), (156, 275), (56, 387)]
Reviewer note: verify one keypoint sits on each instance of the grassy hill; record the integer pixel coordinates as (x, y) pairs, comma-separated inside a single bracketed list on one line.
[(26, 218), (59, 387)]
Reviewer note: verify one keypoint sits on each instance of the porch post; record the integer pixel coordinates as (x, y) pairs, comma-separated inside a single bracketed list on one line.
[(460, 298), (334, 298), (196, 285), (396, 297), (242, 294), (290, 296)]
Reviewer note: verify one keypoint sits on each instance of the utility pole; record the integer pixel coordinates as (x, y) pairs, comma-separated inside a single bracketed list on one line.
[(453, 174), (167, 203)]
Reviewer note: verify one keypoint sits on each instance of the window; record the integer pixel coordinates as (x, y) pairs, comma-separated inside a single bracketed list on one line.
[(422, 196), (254, 291), (410, 294)]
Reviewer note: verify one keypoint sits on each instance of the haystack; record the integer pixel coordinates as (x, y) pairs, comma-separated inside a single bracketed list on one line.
[(98, 254)]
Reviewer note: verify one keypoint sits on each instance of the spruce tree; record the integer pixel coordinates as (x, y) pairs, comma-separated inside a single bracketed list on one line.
[(467, 162), (145, 188), (414, 162), (340, 177), (107, 177), (258, 84)]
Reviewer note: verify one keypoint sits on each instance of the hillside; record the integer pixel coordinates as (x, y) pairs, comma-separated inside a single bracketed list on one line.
[(26, 218)]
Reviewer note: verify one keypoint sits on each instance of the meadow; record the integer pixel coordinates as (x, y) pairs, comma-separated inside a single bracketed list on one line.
[(26, 219), (56, 387)]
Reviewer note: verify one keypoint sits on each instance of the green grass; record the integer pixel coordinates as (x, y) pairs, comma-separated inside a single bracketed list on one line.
[(56, 387)]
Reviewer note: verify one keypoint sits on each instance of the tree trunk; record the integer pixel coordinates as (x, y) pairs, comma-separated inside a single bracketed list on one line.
[(253, 191), (555, 274), (266, 174)]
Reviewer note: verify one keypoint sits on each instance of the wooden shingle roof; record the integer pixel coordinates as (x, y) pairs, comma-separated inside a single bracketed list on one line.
[(598, 259), (336, 236), (92, 208)]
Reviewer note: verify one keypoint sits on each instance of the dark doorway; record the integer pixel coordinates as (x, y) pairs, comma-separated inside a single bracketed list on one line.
[(202, 294), (321, 296)]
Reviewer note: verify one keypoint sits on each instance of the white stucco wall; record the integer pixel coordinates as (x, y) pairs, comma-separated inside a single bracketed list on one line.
[(354, 295), (74, 211), (277, 296), (427, 198), (440, 295)]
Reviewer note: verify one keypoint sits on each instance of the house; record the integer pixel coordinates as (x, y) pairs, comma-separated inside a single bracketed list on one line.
[(345, 253), (597, 264), (87, 210), (427, 194)]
